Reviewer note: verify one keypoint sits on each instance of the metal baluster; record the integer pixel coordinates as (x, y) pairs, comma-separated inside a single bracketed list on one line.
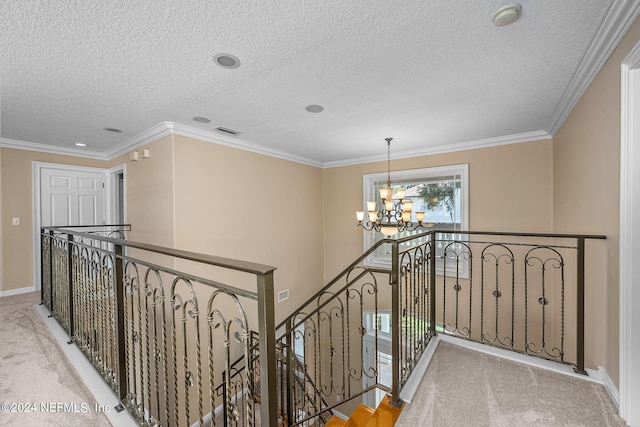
[(580, 295), (432, 285), (289, 354), (120, 322)]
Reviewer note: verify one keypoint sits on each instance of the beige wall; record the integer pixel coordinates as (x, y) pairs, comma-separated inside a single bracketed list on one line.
[(510, 190), (248, 206), (586, 153), (150, 193), (217, 200), (17, 201)]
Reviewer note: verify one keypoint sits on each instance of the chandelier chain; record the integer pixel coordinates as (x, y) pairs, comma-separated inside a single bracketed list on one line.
[(393, 216)]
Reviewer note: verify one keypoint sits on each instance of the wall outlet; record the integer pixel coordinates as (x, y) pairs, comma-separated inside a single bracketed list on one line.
[(16, 221)]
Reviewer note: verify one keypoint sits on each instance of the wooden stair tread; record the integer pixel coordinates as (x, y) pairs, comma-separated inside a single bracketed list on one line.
[(360, 416), (335, 421), (385, 414)]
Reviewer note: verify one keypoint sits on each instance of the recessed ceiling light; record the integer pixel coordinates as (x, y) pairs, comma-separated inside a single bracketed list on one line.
[(314, 108), (80, 144), (226, 60), (113, 130), (506, 14), (201, 120)]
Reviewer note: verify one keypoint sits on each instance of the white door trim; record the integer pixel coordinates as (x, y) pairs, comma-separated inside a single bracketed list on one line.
[(36, 168), (111, 193), (629, 240)]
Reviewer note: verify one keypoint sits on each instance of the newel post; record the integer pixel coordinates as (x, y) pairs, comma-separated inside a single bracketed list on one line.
[(580, 302), (432, 285), (396, 324), (267, 347)]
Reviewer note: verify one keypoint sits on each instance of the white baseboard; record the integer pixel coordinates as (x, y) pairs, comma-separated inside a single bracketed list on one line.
[(518, 357), (603, 377), (103, 394), (599, 375), (340, 415), (18, 291), (411, 386)]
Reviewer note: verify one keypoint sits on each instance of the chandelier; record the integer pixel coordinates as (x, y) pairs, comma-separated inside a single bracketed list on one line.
[(395, 214)]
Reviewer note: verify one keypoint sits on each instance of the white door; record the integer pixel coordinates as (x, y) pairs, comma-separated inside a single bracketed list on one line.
[(65, 195), (71, 197)]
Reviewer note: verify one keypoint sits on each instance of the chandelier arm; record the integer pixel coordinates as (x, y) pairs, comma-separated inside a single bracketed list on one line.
[(393, 218)]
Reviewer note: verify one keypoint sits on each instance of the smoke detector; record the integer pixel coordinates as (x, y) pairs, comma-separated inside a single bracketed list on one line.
[(507, 14)]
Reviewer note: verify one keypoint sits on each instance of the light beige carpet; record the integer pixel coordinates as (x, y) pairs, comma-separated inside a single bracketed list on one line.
[(38, 386), (467, 388)]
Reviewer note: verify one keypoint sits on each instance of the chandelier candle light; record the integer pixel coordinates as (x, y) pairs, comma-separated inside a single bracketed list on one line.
[(393, 216)]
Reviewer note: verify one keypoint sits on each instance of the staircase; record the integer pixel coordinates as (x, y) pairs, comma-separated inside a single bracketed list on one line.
[(385, 415), (176, 347)]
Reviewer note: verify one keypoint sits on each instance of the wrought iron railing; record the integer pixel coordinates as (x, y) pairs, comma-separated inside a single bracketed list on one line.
[(520, 291), (161, 335), (524, 292)]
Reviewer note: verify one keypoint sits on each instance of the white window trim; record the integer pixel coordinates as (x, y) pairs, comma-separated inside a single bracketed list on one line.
[(369, 180)]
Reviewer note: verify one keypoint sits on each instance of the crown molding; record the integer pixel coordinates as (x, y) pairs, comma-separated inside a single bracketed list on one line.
[(447, 148), (613, 26), (170, 128), (50, 149), (233, 142), (153, 133)]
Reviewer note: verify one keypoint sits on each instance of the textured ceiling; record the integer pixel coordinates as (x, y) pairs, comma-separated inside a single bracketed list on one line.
[(428, 73)]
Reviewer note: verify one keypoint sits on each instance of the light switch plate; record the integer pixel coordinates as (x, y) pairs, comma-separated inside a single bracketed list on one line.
[(16, 221)]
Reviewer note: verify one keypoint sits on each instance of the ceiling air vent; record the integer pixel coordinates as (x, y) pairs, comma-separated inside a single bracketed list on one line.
[(227, 131)]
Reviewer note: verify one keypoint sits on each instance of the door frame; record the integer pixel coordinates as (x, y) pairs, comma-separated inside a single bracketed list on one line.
[(37, 168), (111, 193), (629, 373)]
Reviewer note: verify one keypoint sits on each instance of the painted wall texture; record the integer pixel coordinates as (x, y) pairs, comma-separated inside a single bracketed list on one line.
[(217, 200), (17, 202), (586, 191)]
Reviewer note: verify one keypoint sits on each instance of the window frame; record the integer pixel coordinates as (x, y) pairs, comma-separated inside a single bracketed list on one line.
[(369, 187)]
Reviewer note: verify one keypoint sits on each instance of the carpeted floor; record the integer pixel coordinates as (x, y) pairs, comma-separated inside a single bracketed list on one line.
[(467, 388), (38, 385)]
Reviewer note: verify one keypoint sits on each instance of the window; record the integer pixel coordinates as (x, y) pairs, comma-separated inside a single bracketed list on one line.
[(440, 192)]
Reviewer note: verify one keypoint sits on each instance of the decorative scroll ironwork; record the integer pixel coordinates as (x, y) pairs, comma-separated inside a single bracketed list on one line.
[(172, 354), (497, 261), (60, 279), (46, 265), (415, 309), (458, 252), (522, 309), (322, 351), (168, 371), (545, 259), (94, 308), (144, 326)]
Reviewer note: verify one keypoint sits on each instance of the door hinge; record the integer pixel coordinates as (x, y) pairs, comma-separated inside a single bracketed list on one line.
[(103, 185)]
